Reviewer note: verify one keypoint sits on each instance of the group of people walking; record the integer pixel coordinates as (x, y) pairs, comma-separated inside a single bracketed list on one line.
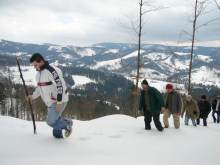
[(152, 103), (51, 87)]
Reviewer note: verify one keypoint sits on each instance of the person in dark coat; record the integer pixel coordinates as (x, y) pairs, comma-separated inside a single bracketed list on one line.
[(216, 109), (205, 109), (152, 103)]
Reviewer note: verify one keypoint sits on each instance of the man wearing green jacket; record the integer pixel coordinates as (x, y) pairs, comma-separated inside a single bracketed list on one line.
[(152, 104)]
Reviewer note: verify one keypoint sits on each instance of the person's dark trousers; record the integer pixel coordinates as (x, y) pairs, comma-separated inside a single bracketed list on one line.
[(148, 118), (218, 116), (214, 117), (204, 121), (198, 121)]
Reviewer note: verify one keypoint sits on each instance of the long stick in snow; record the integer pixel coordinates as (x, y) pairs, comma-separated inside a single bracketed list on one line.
[(27, 94)]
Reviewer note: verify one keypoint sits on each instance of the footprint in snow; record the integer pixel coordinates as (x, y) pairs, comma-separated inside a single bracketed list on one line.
[(123, 131), (115, 136), (97, 133), (84, 138)]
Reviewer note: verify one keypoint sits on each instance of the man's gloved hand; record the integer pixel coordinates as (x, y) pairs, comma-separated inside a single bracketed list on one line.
[(163, 109), (30, 97), (178, 113)]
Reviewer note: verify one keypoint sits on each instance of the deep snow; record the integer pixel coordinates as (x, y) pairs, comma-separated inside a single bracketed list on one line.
[(110, 140)]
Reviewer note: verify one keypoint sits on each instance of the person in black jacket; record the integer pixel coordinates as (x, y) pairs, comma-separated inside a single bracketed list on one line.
[(205, 109), (216, 109), (152, 104)]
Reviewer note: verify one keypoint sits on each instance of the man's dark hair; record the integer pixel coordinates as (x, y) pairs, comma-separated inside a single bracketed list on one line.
[(36, 57), (203, 97), (144, 82)]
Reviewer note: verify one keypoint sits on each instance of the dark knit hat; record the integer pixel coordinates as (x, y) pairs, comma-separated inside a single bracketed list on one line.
[(203, 97), (144, 82), (169, 86)]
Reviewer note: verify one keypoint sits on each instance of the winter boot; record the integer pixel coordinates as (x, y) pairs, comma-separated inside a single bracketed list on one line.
[(68, 130), (57, 133), (160, 129)]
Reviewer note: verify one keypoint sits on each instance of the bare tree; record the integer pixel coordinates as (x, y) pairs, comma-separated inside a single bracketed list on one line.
[(145, 7), (217, 4), (199, 9), (142, 12)]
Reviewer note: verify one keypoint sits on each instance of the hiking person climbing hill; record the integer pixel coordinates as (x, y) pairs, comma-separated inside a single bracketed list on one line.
[(191, 110), (205, 109), (51, 87), (173, 105), (152, 104)]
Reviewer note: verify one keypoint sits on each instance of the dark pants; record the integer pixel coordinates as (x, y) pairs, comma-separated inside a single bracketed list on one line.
[(204, 121), (148, 118), (214, 117)]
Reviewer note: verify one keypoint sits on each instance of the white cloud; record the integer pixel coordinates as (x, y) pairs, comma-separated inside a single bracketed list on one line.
[(85, 21)]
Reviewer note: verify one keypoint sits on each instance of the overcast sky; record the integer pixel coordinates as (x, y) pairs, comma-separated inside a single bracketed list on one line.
[(81, 22)]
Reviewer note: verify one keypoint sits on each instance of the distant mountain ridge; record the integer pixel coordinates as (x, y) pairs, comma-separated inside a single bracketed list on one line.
[(160, 62)]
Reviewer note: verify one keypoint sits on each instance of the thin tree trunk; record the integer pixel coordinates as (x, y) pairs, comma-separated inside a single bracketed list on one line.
[(139, 44), (136, 93), (192, 47)]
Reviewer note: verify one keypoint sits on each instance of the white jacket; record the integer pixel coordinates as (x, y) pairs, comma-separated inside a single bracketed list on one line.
[(51, 85)]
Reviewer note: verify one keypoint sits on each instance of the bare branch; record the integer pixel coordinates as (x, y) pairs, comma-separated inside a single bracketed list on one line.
[(201, 7), (147, 3), (208, 12), (134, 28), (217, 4), (144, 22), (124, 25), (128, 25), (154, 9), (207, 23), (187, 33)]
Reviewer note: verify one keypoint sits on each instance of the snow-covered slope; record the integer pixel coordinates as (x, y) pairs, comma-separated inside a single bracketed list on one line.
[(109, 140), (87, 52), (80, 81), (207, 76)]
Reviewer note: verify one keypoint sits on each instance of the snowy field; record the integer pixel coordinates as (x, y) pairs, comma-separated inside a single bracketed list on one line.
[(111, 140)]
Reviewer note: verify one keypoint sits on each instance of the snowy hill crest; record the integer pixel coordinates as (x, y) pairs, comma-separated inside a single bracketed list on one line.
[(115, 139)]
